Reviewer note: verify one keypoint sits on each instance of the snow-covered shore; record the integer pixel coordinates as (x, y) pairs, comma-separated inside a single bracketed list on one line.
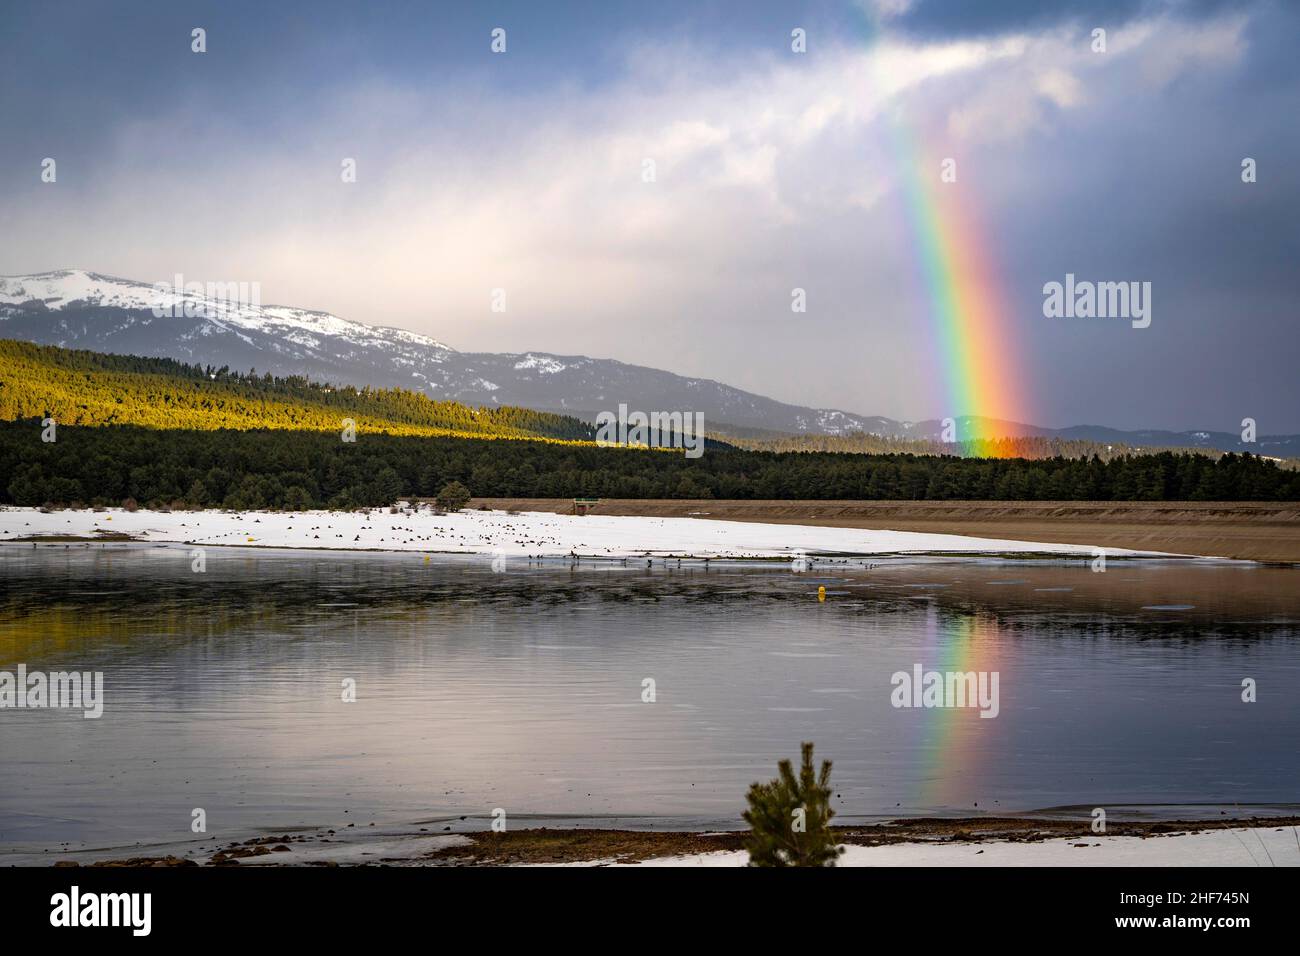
[(499, 532), (1250, 846)]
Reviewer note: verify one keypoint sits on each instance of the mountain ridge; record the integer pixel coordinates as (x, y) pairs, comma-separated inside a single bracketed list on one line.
[(90, 310)]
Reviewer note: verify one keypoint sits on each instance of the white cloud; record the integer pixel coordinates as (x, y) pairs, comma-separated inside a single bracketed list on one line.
[(887, 8)]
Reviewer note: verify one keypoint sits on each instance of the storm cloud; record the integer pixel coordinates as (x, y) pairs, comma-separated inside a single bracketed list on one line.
[(772, 170)]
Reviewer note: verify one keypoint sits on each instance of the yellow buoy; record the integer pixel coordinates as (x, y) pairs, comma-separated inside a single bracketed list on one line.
[(426, 559), (821, 592)]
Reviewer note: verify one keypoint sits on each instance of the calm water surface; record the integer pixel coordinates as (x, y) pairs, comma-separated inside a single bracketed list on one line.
[(523, 689)]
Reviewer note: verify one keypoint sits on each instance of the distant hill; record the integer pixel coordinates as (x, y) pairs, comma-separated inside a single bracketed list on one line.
[(1027, 447), (1272, 446), (163, 433), (87, 388)]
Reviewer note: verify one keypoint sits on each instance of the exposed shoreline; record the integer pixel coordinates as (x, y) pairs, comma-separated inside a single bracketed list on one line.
[(1253, 531), (515, 534)]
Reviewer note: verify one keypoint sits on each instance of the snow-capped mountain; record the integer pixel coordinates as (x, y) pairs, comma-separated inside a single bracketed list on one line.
[(213, 327), (87, 310), (227, 326)]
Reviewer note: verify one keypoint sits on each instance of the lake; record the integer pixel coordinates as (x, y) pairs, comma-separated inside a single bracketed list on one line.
[(525, 688)]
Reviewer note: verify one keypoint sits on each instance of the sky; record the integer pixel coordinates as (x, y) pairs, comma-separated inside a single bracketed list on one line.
[(773, 170)]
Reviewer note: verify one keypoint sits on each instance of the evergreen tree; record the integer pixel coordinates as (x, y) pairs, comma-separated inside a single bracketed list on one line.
[(453, 496), (387, 487), (790, 819)]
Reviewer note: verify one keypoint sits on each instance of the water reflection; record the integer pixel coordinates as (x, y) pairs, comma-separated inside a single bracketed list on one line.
[(523, 689)]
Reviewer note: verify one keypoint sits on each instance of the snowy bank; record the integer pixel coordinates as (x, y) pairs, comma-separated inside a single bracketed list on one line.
[(499, 532), (1247, 846)]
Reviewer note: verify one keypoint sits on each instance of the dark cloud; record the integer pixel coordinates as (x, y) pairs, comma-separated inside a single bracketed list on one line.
[(935, 18)]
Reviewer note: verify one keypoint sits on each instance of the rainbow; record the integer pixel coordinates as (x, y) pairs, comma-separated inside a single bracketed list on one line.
[(969, 318), (977, 376), (955, 742), (971, 324)]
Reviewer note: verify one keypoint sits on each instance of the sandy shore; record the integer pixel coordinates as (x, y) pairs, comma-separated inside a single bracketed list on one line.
[(1256, 531), (507, 533)]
